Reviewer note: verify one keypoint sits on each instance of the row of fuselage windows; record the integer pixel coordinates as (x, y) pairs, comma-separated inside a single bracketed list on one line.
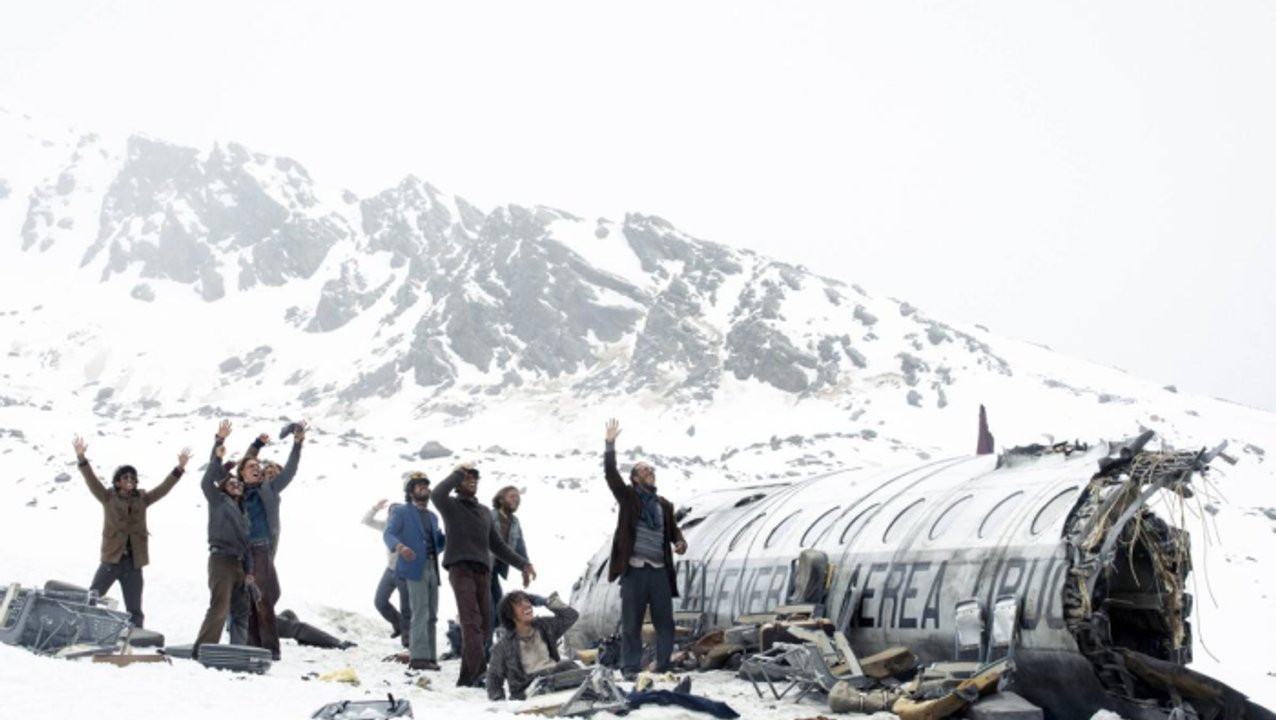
[(825, 521)]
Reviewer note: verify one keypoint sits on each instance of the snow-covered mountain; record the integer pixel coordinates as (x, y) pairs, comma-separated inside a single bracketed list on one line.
[(416, 298), (151, 289)]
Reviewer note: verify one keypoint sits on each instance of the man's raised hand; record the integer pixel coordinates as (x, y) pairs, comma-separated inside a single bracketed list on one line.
[(183, 457), (223, 430), (80, 446), (613, 429), (264, 439)]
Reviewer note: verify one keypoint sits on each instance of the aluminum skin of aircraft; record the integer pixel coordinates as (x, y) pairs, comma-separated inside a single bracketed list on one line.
[(1066, 530)]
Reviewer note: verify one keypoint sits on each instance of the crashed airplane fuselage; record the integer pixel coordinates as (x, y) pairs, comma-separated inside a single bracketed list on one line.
[(1066, 530)]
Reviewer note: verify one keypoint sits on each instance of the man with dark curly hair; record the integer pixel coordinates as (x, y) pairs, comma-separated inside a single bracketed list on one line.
[(529, 647), (125, 539)]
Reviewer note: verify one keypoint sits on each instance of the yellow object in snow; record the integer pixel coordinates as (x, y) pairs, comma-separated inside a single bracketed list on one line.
[(344, 675)]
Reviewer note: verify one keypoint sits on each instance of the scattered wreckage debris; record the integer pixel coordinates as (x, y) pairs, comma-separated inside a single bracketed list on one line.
[(582, 692), (829, 666), (69, 621), (365, 709), (235, 658), (63, 623)]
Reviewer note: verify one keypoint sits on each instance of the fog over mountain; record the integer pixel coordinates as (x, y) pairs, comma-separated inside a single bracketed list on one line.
[(454, 309)]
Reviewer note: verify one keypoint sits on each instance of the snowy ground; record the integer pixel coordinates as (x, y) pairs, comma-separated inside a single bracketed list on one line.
[(329, 565)]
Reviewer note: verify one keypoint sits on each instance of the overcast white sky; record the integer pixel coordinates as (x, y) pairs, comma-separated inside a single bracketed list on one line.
[(1099, 177)]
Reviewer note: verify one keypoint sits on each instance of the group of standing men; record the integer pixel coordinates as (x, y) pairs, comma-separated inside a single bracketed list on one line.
[(243, 536), (476, 546), (472, 540)]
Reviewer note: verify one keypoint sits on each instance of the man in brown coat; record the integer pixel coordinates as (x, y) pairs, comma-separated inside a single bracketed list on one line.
[(642, 558), (124, 533)]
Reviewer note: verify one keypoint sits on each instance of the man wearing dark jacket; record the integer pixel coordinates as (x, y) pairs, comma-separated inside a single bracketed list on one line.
[(261, 502), (229, 562), (641, 558), (471, 542), (124, 535), (413, 533), (529, 648)]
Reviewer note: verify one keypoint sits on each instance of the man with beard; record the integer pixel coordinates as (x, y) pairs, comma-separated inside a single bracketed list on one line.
[(261, 502), (472, 541), (229, 562), (641, 558), (504, 505), (124, 535), (412, 532)]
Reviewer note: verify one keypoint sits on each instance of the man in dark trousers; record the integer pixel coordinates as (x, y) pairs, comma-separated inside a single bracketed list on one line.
[(124, 535), (413, 533), (261, 502), (641, 558), (229, 562), (472, 539)]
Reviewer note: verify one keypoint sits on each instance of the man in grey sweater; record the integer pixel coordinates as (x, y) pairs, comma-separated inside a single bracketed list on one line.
[(472, 540)]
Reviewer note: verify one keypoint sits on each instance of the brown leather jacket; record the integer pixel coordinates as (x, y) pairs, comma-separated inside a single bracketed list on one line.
[(622, 543), (124, 515)]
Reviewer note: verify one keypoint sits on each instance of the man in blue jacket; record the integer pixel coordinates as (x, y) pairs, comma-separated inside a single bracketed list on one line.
[(413, 532)]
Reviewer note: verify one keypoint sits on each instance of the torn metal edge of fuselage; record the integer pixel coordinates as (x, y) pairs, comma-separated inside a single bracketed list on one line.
[(1125, 600)]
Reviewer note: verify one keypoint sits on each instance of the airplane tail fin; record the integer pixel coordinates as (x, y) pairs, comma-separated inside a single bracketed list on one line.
[(984, 446)]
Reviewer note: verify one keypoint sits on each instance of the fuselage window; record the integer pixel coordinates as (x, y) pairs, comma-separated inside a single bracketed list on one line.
[(901, 521), (691, 523), (770, 538), (811, 533), (945, 520), (856, 522), (998, 514), (1052, 510), (740, 533)]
